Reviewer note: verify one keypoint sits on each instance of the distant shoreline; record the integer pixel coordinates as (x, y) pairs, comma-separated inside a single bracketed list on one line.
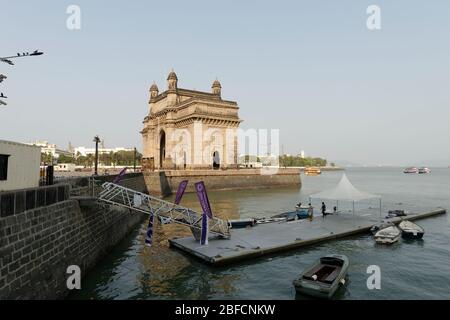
[(327, 168)]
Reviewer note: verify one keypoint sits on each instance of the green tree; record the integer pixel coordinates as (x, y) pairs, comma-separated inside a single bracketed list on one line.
[(295, 161), (46, 158), (65, 159), (90, 160)]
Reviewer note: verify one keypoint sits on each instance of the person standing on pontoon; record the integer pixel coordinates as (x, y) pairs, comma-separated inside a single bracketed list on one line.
[(324, 210), (310, 212)]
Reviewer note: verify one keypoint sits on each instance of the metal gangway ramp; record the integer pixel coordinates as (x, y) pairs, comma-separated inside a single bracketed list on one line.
[(117, 195)]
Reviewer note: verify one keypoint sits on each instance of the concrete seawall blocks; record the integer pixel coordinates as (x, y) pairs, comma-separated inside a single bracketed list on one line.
[(37, 246), (163, 183)]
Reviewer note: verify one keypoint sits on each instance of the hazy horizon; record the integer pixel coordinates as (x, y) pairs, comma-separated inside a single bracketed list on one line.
[(313, 70)]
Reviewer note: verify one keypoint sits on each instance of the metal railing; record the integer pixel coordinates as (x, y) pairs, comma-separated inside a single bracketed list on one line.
[(118, 195), (92, 189)]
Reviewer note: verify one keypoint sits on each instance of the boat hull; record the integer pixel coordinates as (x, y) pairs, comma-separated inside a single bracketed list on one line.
[(293, 215), (240, 224), (411, 230), (412, 235), (315, 291), (387, 240)]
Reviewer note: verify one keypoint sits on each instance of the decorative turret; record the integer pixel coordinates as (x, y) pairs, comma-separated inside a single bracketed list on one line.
[(216, 88), (172, 81), (154, 90)]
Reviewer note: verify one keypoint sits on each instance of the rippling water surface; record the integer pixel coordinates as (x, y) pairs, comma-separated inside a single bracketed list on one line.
[(410, 269)]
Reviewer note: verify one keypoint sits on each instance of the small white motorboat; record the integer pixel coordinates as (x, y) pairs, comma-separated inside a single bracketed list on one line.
[(388, 235), (411, 230)]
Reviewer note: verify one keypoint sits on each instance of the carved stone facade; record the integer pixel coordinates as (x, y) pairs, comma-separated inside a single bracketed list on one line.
[(187, 129)]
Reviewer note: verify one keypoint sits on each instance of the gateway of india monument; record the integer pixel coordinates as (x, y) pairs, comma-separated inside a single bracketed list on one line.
[(193, 135), (187, 129)]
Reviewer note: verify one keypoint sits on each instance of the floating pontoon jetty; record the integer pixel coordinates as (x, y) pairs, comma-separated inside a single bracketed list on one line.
[(270, 238)]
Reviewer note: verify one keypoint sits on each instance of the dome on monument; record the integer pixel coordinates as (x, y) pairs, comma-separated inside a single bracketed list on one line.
[(154, 87), (172, 76), (216, 84)]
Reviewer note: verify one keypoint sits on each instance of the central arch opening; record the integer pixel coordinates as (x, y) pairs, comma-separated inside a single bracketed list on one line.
[(162, 149), (216, 160)]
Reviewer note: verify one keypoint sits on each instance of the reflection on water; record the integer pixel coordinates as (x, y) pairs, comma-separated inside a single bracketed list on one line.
[(160, 265), (164, 271), (410, 269)]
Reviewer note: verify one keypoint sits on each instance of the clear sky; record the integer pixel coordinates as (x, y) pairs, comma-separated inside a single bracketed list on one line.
[(309, 68)]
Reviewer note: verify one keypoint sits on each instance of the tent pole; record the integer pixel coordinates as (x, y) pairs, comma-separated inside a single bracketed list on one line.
[(380, 209)]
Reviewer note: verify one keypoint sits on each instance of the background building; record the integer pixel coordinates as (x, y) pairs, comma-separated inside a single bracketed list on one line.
[(190, 129), (19, 165), (52, 149), (83, 151)]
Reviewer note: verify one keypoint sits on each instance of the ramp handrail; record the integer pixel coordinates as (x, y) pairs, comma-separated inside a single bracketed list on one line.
[(118, 195)]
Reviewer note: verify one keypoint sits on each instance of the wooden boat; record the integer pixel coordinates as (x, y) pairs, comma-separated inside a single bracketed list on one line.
[(388, 235), (411, 230), (324, 277), (241, 223), (312, 171)]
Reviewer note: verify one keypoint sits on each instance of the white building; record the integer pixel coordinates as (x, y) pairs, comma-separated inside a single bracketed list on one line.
[(49, 148), (19, 166), (83, 151), (249, 161), (65, 167)]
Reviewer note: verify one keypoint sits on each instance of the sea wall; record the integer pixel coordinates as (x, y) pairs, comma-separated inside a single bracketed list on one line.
[(44, 230), (82, 185), (163, 183), (38, 245)]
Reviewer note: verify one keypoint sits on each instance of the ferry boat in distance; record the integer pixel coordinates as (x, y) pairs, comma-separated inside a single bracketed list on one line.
[(411, 170), (424, 170), (312, 171)]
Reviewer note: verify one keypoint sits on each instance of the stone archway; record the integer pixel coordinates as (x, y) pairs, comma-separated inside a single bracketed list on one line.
[(216, 160), (162, 148)]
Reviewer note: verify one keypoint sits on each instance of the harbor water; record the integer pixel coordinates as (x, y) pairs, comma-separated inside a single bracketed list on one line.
[(409, 269)]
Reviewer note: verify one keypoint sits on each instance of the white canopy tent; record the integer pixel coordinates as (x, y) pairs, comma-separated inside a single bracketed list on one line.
[(345, 191)]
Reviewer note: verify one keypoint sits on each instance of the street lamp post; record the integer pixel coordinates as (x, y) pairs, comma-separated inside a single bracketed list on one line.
[(134, 159), (8, 60), (97, 141)]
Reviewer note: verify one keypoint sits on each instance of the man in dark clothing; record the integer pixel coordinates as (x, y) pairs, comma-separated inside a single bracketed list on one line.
[(324, 209)]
